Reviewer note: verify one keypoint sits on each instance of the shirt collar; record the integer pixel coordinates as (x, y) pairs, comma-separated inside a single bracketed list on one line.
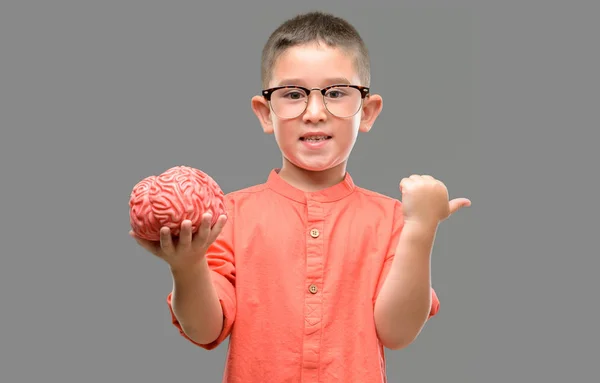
[(330, 194)]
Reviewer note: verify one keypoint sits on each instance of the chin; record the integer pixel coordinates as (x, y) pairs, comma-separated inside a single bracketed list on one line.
[(314, 167)]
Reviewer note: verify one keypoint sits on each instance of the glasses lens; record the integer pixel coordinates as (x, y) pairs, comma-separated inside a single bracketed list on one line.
[(288, 102), (343, 101)]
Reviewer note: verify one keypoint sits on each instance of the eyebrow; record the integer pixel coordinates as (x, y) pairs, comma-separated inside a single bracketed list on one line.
[(297, 81)]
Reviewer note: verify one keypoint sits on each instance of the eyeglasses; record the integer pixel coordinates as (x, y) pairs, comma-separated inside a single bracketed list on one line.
[(290, 101)]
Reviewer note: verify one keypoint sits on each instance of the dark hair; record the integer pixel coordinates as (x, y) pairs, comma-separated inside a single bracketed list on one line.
[(316, 27)]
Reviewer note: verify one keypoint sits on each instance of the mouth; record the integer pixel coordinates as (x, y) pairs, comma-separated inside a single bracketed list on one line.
[(315, 138)]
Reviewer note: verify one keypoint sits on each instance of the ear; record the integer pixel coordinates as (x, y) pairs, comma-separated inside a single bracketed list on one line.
[(370, 111), (261, 109)]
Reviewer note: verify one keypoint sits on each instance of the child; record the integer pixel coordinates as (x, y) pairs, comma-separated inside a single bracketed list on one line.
[(311, 276)]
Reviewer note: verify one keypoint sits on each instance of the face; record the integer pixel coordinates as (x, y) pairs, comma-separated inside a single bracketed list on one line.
[(314, 66)]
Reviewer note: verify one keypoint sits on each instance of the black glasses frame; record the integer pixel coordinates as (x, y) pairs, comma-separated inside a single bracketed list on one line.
[(364, 91)]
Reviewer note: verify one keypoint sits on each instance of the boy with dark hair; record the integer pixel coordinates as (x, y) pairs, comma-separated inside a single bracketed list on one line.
[(311, 276)]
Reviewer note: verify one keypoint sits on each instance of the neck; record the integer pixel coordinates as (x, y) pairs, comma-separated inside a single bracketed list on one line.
[(310, 181)]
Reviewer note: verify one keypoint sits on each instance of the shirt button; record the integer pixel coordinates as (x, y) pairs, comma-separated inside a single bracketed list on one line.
[(313, 289), (314, 233)]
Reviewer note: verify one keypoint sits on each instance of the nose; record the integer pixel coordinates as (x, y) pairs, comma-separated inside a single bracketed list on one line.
[(315, 110)]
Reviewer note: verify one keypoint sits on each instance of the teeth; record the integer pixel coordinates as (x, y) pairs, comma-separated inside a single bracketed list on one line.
[(315, 138)]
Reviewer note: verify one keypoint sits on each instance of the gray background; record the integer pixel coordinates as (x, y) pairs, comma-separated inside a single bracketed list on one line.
[(498, 101)]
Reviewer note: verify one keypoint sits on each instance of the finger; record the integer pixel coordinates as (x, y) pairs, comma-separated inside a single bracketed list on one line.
[(217, 228), (404, 182), (458, 203), (185, 235), (166, 241), (203, 231)]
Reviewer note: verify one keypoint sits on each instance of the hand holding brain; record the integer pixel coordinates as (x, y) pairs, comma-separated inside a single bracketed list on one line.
[(180, 193)]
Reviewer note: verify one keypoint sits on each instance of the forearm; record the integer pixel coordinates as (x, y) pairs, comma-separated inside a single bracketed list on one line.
[(196, 304), (404, 302)]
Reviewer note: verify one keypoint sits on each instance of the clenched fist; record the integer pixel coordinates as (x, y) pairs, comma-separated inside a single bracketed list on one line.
[(425, 200)]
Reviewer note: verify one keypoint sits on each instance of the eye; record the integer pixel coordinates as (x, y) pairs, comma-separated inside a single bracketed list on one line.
[(294, 95), (335, 93)]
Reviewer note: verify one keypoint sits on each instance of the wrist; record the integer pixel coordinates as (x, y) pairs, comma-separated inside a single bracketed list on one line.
[(423, 227), (189, 270), (416, 242)]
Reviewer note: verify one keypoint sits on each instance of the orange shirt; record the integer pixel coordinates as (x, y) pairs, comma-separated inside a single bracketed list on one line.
[(297, 275)]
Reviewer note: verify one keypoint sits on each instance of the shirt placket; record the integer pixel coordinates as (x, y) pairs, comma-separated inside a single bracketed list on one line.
[(313, 300)]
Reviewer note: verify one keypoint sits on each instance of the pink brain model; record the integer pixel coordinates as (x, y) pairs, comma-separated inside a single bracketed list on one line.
[(178, 194)]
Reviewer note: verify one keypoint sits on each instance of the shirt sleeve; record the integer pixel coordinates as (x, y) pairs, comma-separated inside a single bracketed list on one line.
[(220, 257), (397, 226)]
